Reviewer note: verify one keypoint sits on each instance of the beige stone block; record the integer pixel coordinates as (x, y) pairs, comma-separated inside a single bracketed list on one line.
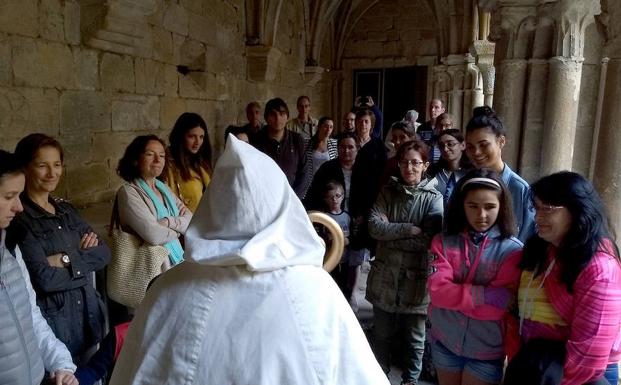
[(72, 21), (194, 6), (162, 45), (6, 71), (135, 113), (51, 20), (170, 109), (217, 60), (78, 149), (85, 69), (171, 81), (42, 64), (27, 110), (194, 86), (175, 19), (84, 111), (109, 147), (91, 182), (117, 73), (19, 17), (201, 28), (150, 77)]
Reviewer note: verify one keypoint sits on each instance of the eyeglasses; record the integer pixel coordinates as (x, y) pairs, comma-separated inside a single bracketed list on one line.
[(546, 209), (413, 162), (450, 144)]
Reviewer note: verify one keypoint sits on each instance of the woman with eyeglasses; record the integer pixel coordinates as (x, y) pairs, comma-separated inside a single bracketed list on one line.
[(453, 163), (405, 217), (570, 290)]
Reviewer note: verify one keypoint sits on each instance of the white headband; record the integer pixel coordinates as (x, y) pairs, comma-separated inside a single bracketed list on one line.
[(482, 180)]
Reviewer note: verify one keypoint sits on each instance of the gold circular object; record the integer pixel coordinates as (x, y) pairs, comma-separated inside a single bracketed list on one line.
[(333, 256)]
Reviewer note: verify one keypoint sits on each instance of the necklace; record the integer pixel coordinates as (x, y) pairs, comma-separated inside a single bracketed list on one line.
[(528, 303)]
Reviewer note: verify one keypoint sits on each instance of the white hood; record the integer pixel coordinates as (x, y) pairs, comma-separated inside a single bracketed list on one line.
[(266, 229)]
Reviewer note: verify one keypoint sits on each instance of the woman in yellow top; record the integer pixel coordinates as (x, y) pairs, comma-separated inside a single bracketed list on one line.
[(188, 168)]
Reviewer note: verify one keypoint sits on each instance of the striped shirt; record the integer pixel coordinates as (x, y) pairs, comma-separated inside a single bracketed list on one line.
[(589, 319)]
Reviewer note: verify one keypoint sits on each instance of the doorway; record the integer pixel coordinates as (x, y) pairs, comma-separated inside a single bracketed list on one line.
[(394, 90)]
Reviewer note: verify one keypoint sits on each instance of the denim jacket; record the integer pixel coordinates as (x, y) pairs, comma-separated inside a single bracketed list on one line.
[(66, 295)]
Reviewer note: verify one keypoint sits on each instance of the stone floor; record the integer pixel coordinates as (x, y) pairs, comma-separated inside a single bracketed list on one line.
[(364, 312)]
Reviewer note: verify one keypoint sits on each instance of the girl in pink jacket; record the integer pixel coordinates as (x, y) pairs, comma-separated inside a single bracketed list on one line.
[(473, 280)]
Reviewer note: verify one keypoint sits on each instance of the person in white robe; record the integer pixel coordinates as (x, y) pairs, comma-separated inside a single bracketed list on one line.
[(251, 305)]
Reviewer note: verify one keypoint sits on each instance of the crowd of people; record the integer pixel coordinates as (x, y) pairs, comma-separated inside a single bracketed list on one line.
[(467, 261)]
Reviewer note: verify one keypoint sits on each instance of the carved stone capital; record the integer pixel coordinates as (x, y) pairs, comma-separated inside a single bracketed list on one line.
[(571, 18), (116, 25), (262, 62), (312, 75)]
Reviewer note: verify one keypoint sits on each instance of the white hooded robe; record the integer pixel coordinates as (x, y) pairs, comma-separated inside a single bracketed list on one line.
[(251, 305)]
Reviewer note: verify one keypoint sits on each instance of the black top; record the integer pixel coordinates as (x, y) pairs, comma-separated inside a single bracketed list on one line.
[(66, 295), (289, 154)]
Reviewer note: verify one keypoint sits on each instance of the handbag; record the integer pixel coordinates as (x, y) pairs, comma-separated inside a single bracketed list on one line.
[(134, 263)]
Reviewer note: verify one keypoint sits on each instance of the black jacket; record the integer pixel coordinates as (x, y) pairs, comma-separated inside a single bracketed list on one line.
[(66, 296), (330, 170)]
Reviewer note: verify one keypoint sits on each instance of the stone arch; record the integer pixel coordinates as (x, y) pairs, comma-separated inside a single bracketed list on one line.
[(525, 34), (262, 21)]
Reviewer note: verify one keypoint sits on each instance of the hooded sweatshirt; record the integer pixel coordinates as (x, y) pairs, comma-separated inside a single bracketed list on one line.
[(251, 304)]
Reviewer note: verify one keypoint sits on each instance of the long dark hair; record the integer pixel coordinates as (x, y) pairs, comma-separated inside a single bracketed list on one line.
[(464, 162), (183, 159), (455, 217), (9, 164), (588, 229), (128, 165), (314, 140)]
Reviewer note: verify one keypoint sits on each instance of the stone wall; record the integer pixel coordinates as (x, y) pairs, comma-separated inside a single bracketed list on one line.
[(66, 70), (392, 33)]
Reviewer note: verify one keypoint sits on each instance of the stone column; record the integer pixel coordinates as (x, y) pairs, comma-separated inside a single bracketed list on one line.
[(509, 104), (572, 17), (607, 171), (483, 51), (534, 114)]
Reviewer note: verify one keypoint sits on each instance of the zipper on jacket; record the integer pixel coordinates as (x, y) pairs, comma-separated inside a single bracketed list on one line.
[(20, 331)]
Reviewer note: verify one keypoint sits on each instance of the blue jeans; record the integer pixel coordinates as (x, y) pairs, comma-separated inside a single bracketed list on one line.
[(411, 328), (485, 370), (612, 373)]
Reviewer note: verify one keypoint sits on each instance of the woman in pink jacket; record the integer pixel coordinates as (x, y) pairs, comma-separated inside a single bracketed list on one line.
[(570, 290), (473, 280)]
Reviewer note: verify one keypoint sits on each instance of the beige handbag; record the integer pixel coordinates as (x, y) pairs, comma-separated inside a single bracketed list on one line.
[(134, 264)]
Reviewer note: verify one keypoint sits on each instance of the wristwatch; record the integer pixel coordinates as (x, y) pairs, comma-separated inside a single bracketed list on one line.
[(65, 260)]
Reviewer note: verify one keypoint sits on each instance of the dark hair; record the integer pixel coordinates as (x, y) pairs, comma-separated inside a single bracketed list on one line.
[(346, 135), (589, 225), (485, 117), (455, 217), (416, 145), (464, 162), (483, 111), (27, 147), (128, 164), (276, 104), (405, 127), (314, 140), (9, 164), (182, 158), (235, 130), (366, 112), (300, 98)]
